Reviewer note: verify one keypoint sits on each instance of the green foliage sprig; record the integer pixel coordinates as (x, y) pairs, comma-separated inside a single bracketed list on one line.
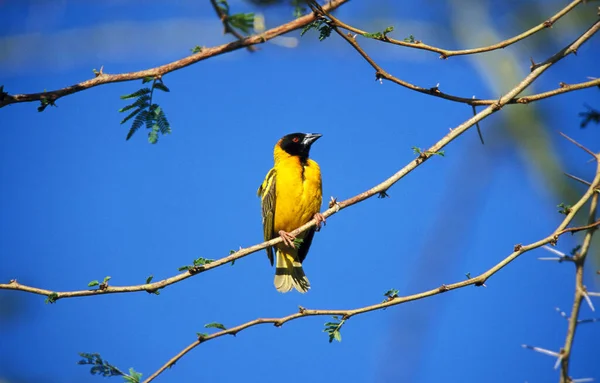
[(244, 22), (564, 209), (198, 262), (320, 25), (379, 35), (104, 368), (427, 153), (334, 328), (145, 112)]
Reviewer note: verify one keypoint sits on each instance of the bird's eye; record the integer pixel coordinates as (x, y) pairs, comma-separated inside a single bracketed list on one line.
[(295, 139)]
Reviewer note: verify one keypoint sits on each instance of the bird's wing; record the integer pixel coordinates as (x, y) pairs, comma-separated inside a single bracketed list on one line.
[(267, 193), (305, 245)]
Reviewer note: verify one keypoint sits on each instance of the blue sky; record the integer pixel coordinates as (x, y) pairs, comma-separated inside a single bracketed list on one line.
[(80, 203)]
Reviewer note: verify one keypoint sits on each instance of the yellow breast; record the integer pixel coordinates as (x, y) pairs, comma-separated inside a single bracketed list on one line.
[(298, 192)]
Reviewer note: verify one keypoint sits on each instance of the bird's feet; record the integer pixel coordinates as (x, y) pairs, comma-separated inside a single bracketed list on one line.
[(288, 239), (320, 220)]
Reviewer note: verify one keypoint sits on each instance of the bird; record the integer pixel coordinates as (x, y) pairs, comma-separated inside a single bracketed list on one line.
[(291, 195)]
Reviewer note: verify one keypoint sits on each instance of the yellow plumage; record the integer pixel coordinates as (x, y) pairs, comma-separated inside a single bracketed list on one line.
[(291, 196)]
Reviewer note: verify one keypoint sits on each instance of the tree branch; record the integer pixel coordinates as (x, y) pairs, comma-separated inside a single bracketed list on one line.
[(445, 53), (376, 190), (477, 281), (104, 78), (580, 290), (381, 74)]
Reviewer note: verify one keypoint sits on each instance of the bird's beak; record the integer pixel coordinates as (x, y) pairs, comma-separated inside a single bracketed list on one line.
[(310, 138)]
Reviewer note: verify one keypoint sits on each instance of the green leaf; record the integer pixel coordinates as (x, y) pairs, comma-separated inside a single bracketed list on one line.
[(392, 293), (159, 85), (130, 116), (242, 21), (215, 325), (149, 279), (106, 279), (137, 123), (147, 79), (153, 137), (134, 376), (138, 93), (183, 268), (337, 336), (93, 283), (410, 39), (201, 335), (196, 49), (379, 35), (202, 261)]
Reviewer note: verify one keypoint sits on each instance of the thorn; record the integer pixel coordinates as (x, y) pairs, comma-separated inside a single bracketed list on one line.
[(562, 313), (443, 288), (301, 309), (588, 300), (553, 250), (578, 179), (579, 145), (558, 360), (542, 350), (562, 85), (533, 64)]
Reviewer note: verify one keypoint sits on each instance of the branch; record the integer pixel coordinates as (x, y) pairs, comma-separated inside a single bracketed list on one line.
[(397, 300), (337, 206), (580, 290), (445, 53), (381, 74), (104, 78)]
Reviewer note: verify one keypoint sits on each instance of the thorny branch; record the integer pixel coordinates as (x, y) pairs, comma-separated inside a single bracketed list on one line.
[(381, 74), (477, 281), (445, 53), (580, 290), (382, 187)]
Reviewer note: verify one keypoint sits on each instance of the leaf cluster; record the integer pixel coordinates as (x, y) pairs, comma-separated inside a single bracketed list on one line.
[(379, 35), (334, 328), (564, 209), (241, 21), (107, 370), (145, 112), (198, 262), (320, 25)]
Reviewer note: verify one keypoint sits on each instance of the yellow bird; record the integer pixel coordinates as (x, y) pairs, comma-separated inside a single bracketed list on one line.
[(291, 195)]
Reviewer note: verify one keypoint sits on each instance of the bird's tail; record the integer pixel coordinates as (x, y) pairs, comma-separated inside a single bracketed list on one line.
[(289, 273)]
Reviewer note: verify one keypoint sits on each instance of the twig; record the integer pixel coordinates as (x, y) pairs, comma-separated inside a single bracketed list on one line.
[(347, 314), (385, 185), (104, 78), (445, 53)]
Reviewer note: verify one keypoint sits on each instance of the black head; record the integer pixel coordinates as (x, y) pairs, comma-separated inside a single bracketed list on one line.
[(298, 144)]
